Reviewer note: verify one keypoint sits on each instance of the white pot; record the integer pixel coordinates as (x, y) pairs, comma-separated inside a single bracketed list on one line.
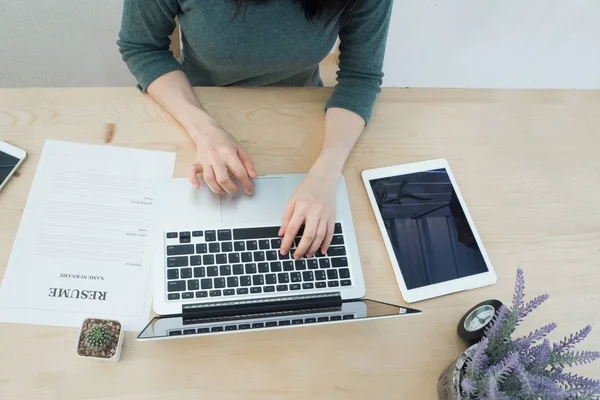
[(117, 354)]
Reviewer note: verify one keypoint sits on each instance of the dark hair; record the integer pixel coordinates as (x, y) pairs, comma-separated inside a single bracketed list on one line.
[(315, 8)]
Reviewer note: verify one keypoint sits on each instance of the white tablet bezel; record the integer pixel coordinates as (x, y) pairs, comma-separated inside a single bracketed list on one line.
[(16, 152), (438, 289)]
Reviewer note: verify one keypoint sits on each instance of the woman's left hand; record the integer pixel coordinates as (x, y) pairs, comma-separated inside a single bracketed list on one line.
[(313, 204)]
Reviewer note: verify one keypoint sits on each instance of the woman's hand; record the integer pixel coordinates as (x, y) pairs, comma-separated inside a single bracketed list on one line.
[(313, 204), (219, 155)]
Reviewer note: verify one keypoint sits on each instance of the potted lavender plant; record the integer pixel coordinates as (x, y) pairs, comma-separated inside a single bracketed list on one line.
[(500, 367)]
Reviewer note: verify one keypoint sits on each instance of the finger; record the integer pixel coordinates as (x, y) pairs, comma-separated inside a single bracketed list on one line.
[(224, 180), (211, 181), (319, 237), (328, 236), (238, 170), (308, 237), (291, 231), (193, 172), (289, 211), (247, 163)]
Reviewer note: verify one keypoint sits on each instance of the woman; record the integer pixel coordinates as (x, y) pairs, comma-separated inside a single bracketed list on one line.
[(261, 43)]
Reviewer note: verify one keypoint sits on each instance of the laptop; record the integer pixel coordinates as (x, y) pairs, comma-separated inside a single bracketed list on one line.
[(217, 266)]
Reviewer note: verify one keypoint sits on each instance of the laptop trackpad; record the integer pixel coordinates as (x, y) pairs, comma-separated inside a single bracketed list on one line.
[(265, 207)]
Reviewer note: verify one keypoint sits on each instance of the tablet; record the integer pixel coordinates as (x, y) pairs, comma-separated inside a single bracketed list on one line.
[(429, 234)]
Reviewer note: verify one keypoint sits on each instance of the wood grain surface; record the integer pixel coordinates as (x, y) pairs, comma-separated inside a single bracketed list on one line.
[(526, 161)]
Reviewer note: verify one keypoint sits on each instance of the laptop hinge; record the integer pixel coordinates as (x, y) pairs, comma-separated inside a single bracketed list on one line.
[(265, 305)]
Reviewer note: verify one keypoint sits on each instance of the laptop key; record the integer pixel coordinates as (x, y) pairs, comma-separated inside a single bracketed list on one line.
[(282, 288), (171, 235), (270, 324), (197, 234), (308, 276), (231, 328), (217, 328), (333, 284), (348, 316), (245, 280), (239, 246), (212, 271), (185, 240), (332, 274), (263, 244), (308, 286), (312, 264), (320, 275), (296, 277), (225, 270), (344, 273), (208, 259), (219, 283), (203, 330), (186, 273), (228, 292), (259, 256), (233, 258), (246, 257), (337, 240), (175, 333), (224, 235), (177, 262), (187, 295), (255, 233), (201, 294), (272, 255), (284, 257), (310, 320), (283, 277), (255, 290), (271, 279), (336, 251), (346, 282), (275, 243), (269, 289), (227, 247), (210, 236), (201, 248), (214, 293), (233, 281), (320, 285), (323, 263), (238, 269), (338, 262), (297, 321), (195, 260), (250, 268), (251, 245), (336, 318), (193, 284), (295, 286), (263, 268), (258, 280), (175, 286), (173, 274), (206, 283), (300, 265), (174, 296), (214, 247), (288, 265), (338, 228), (185, 234), (323, 319), (276, 266), (242, 291), (244, 326), (258, 325)]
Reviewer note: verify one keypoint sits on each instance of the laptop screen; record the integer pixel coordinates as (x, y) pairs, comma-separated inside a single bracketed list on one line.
[(344, 311)]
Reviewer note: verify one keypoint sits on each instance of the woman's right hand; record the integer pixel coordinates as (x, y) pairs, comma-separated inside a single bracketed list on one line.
[(219, 156)]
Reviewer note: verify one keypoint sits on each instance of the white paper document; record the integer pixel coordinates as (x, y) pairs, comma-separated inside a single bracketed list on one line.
[(80, 251)]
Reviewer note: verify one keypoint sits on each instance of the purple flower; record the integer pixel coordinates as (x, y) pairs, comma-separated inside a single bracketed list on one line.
[(478, 362), (525, 342), (519, 294), (570, 342), (573, 383), (532, 305), (468, 387)]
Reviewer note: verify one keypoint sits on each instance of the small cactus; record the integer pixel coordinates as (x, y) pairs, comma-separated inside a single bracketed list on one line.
[(98, 337)]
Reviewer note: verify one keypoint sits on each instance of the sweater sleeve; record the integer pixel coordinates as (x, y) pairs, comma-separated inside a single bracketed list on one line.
[(363, 39), (144, 38)]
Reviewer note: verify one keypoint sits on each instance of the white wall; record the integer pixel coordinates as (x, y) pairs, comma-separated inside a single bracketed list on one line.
[(61, 43), (494, 43), (443, 43)]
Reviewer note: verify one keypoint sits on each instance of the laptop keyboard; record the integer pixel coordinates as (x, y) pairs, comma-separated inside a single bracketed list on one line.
[(226, 262)]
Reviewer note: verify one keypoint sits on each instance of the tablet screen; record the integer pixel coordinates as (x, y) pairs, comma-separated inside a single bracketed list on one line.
[(427, 227)]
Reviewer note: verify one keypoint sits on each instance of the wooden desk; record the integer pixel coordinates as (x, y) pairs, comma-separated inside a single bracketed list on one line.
[(527, 163)]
